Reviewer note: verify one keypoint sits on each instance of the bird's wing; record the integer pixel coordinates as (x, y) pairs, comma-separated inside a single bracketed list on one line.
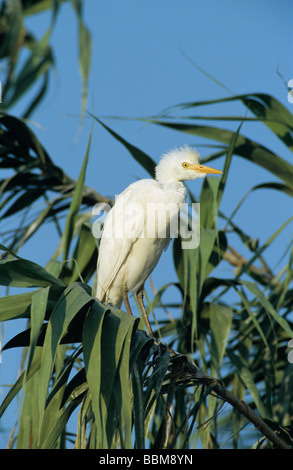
[(123, 225)]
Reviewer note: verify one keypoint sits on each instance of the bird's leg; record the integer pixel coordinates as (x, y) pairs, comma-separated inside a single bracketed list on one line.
[(125, 299), (139, 296)]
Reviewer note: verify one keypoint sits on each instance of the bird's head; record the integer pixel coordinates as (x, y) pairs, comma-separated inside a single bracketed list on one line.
[(182, 165)]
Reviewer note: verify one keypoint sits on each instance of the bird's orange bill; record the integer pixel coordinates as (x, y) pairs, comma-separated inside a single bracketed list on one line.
[(204, 169)]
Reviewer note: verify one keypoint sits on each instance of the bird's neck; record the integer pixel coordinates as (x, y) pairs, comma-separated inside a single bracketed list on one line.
[(176, 187)]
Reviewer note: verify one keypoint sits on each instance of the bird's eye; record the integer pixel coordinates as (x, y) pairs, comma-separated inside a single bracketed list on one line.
[(185, 165)]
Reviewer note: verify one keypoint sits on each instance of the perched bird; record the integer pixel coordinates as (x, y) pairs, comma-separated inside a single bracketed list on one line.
[(133, 237)]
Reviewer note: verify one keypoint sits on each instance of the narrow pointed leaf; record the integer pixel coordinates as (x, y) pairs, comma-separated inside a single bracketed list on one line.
[(142, 158), (25, 273), (75, 204), (268, 307)]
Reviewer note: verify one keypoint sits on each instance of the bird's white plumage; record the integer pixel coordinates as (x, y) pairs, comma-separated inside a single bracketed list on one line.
[(170, 169), (127, 252)]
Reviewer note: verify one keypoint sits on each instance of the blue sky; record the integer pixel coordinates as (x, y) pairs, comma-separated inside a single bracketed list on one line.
[(140, 67)]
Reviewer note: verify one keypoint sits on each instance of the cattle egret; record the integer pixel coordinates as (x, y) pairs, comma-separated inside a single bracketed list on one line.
[(132, 240)]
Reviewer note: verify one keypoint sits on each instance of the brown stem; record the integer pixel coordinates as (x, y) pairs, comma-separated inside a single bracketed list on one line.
[(239, 405)]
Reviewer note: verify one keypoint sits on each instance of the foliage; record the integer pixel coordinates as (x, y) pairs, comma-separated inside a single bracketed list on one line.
[(129, 390), (28, 61)]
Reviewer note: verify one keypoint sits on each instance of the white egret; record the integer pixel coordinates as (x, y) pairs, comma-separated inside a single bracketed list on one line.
[(127, 252)]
